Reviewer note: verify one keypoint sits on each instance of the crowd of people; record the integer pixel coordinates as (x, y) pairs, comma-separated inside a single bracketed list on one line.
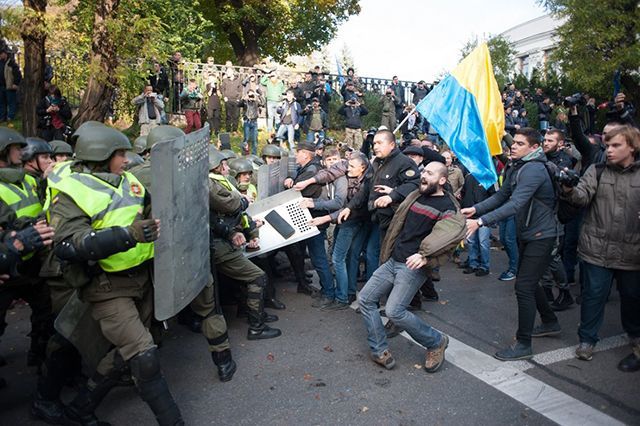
[(75, 214)]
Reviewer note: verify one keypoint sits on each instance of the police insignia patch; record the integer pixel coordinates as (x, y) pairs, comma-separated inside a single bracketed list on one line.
[(410, 173), (136, 189)]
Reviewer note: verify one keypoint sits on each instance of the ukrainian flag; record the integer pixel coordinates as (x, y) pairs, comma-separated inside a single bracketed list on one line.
[(466, 110)]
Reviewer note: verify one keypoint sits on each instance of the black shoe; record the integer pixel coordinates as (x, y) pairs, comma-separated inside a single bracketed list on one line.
[(3, 361), (267, 317), (542, 330), (51, 412), (514, 352), (469, 270), (630, 363), (481, 272), (352, 298), (430, 298), (563, 301), (265, 332), (392, 330), (226, 365), (463, 265), (435, 276), (304, 289), (274, 303)]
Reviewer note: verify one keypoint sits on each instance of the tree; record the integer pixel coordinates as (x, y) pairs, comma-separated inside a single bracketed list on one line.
[(502, 56), (34, 34), (598, 39), (276, 28)]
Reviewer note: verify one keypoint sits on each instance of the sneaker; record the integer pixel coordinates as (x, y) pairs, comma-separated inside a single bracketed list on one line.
[(321, 302), (507, 276), (563, 301), (385, 359), (392, 330), (515, 352), (435, 275), (481, 272), (335, 306), (584, 351), (631, 363), (542, 330), (469, 270), (434, 358)]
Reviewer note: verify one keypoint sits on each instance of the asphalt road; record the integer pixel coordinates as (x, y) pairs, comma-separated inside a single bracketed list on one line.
[(319, 372)]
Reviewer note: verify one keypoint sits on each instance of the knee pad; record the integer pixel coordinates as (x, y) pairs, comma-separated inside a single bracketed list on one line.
[(146, 365)]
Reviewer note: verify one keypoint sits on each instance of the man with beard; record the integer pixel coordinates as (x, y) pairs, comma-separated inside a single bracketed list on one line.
[(426, 226)]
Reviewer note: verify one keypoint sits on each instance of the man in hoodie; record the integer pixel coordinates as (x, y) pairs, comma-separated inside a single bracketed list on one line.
[(528, 193)]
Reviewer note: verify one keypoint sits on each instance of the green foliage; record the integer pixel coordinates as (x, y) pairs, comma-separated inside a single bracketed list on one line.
[(502, 56), (599, 38), (10, 22), (276, 28)]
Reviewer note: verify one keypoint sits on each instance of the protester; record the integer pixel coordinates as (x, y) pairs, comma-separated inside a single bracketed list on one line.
[(191, 101), (353, 111)]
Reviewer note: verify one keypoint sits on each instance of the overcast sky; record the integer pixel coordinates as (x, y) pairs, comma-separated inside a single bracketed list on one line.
[(418, 39)]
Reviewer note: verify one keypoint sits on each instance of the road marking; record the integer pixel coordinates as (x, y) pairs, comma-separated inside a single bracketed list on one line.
[(515, 383), (564, 354)]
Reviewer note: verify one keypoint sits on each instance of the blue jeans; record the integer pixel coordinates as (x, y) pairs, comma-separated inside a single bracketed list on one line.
[(357, 245), (7, 104), (508, 240), (596, 285), (373, 249), (342, 265), (402, 283), (318, 255), (251, 135), (544, 125), (311, 135), (289, 130), (480, 248)]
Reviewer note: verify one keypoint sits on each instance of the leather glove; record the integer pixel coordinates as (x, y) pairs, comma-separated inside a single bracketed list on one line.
[(144, 231)]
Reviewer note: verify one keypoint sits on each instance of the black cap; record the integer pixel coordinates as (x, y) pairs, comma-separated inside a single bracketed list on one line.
[(306, 146), (413, 150), (314, 100)]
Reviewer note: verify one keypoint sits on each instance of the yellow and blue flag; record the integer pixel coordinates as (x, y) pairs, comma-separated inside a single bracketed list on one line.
[(467, 112)]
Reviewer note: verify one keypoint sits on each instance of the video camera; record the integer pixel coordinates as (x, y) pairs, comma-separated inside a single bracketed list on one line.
[(573, 100), (569, 178)]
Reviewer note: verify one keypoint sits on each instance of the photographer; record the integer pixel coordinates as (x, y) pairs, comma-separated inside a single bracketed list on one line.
[(54, 114), (352, 110), (315, 122), (251, 104), (231, 89), (191, 101), (544, 112), (289, 112), (389, 102), (609, 241), (150, 108), (528, 193)]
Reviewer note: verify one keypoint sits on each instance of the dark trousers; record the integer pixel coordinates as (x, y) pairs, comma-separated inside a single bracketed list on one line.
[(213, 117), (535, 257), (596, 286), (232, 115), (8, 103), (570, 246)]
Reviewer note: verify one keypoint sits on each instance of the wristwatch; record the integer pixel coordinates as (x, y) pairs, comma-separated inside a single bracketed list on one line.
[(480, 222)]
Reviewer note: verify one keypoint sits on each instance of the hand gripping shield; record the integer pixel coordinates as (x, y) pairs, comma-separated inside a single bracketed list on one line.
[(179, 170)]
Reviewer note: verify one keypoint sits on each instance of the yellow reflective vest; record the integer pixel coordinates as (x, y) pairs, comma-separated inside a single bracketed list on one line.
[(59, 171), (109, 206), (244, 221), (22, 198)]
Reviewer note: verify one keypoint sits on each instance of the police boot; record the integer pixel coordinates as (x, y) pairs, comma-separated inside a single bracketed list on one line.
[(153, 389), (258, 330), (270, 300), (49, 411), (226, 365), (548, 292), (81, 410), (189, 319)]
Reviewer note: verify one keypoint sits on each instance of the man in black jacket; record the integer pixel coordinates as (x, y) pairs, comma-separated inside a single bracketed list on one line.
[(10, 79), (352, 110), (394, 177), (528, 193)]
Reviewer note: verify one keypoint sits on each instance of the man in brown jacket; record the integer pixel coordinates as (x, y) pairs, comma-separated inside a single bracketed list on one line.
[(425, 226), (610, 240)]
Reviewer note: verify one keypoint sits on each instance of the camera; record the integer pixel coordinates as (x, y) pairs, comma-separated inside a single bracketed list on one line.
[(573, 100), (569, 178), (351, 102)]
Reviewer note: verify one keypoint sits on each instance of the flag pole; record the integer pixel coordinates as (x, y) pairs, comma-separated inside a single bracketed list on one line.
[(405, 119)]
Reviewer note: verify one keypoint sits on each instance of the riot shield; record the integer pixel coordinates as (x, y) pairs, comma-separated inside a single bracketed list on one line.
[(77, 325), (284, 221), (271, 176), (179, 170)]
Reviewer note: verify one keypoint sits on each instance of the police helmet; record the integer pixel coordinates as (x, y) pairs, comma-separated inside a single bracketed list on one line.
[(271, 150), (229, 154), (240, 165), (163, 133), (140, 144), (100, 143), (257, 161), (10, 137), (134, 159), (215, 157), (34, 147), (85, 127), (60, 147)]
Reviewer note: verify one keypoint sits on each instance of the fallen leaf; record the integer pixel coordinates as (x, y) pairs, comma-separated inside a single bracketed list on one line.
[(270, 357), (317, 397), (443, 302), (364, 409), (417, 366), (307, 377), (328, 348)]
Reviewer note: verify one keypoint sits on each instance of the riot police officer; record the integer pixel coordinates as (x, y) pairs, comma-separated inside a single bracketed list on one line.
[(62, 151), (231, 229), (104, 237)]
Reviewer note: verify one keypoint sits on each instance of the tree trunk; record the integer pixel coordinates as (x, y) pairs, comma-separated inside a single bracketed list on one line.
[(102, 81), (32, 88)]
